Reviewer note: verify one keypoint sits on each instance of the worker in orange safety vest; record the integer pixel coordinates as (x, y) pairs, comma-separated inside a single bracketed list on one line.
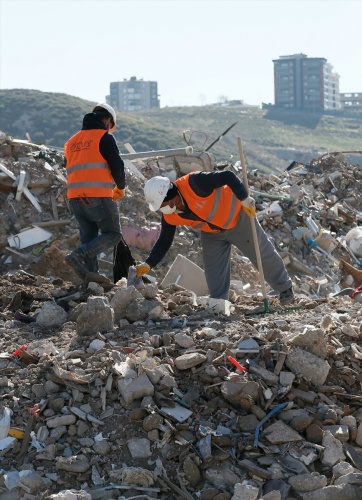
[(95, 181), (218, 204)]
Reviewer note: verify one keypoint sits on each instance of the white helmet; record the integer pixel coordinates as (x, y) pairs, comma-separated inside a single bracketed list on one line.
[(155, 191), (110, 111)]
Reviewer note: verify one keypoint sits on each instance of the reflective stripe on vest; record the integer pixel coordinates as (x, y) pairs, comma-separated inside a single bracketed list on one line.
[(221, 208), (88, 172)]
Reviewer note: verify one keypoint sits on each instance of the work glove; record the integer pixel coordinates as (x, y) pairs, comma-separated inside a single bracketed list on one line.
[(249, 206), (117, 193), (142, 269)]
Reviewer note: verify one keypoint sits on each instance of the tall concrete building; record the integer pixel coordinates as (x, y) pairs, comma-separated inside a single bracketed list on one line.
[(352, 101), (305, 83), (133, 95)]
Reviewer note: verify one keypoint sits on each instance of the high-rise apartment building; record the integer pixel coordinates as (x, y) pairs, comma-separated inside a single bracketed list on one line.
[(133, 95), (352, 101), (305, 83)]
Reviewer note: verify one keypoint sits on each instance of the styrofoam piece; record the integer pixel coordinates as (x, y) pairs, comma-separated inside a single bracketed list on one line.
[(128, 164), (219, 306), (20, 189), (26, 191), (186, 274), (7, 172), (58, 174), (32, 199), (29, 237)]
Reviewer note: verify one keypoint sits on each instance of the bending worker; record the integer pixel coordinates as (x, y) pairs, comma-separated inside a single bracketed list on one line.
[(94, 166), (218, 204)]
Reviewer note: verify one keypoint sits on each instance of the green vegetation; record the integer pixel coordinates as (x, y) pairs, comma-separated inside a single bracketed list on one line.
[(272, 139)]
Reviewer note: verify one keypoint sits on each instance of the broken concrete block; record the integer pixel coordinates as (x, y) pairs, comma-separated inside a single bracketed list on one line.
[(221, 475), (240, 392), (345, 491), (312, 339), (359, 435), (286, 378), (96, 316), (245, 492), (189, 360), (139, 447), (269, 377), (142, 309), (51, 315), (341, 469), (307, 482), (121, 299), (279, 433), (333, 450), (299, 419), (351, 478), (184, 340), (135, 388), (308, 365), (247, 423), (340, 432)]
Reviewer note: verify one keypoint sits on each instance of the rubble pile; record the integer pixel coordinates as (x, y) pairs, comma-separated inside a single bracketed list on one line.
[(112, 391)]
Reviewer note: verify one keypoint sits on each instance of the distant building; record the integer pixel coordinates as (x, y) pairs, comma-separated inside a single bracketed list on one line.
[(305, 83), (351, 101), (133, 95)]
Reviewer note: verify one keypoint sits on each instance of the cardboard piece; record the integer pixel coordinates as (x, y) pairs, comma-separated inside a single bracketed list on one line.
[(185, 273)]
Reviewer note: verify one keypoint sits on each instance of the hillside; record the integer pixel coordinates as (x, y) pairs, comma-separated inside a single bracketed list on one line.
[(272, 140)]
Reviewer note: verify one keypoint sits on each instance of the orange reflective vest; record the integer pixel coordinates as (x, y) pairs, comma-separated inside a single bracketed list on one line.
[(221, 208), (88, 172)]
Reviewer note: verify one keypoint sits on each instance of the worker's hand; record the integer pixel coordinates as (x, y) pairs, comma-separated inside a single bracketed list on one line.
[(250, 212), (142, 269), (117, 193), (249, 206), (249, 202)]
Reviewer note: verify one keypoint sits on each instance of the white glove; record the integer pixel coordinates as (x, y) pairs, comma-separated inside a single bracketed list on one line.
[(249, 202)]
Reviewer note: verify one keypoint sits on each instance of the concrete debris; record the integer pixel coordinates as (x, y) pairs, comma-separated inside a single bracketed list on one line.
[(108, 391)]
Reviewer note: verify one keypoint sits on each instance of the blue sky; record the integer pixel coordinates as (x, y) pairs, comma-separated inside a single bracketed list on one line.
[(197, 50)]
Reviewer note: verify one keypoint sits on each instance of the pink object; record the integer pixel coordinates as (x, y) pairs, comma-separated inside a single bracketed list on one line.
[(143, 238)]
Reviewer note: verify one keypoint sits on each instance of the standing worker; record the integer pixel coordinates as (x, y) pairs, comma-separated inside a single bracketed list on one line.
[(94, 166), (218, 204)]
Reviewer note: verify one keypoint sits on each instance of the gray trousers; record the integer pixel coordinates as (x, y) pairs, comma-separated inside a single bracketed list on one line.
[(216, 249)]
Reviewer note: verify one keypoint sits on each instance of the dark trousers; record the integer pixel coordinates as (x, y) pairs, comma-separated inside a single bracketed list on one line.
[(216, 251), (99, 228)]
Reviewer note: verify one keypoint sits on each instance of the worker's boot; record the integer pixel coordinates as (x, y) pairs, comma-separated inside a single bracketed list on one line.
[(77, 264), (286, 297)]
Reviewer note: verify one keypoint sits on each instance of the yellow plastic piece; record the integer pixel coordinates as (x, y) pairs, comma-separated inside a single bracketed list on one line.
[(16, 433)]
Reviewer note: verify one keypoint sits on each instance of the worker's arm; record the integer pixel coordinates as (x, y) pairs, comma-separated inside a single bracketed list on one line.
[(204, 183), (110, 152), (162, 244)]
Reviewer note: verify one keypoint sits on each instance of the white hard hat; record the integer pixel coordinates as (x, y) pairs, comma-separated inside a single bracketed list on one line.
[(110, 111), (155, 191)]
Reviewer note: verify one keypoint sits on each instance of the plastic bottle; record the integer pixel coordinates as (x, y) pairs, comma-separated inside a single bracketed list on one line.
[(312, 226)]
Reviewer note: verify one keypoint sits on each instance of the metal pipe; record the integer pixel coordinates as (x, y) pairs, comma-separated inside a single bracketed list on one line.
[(161, 152)]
